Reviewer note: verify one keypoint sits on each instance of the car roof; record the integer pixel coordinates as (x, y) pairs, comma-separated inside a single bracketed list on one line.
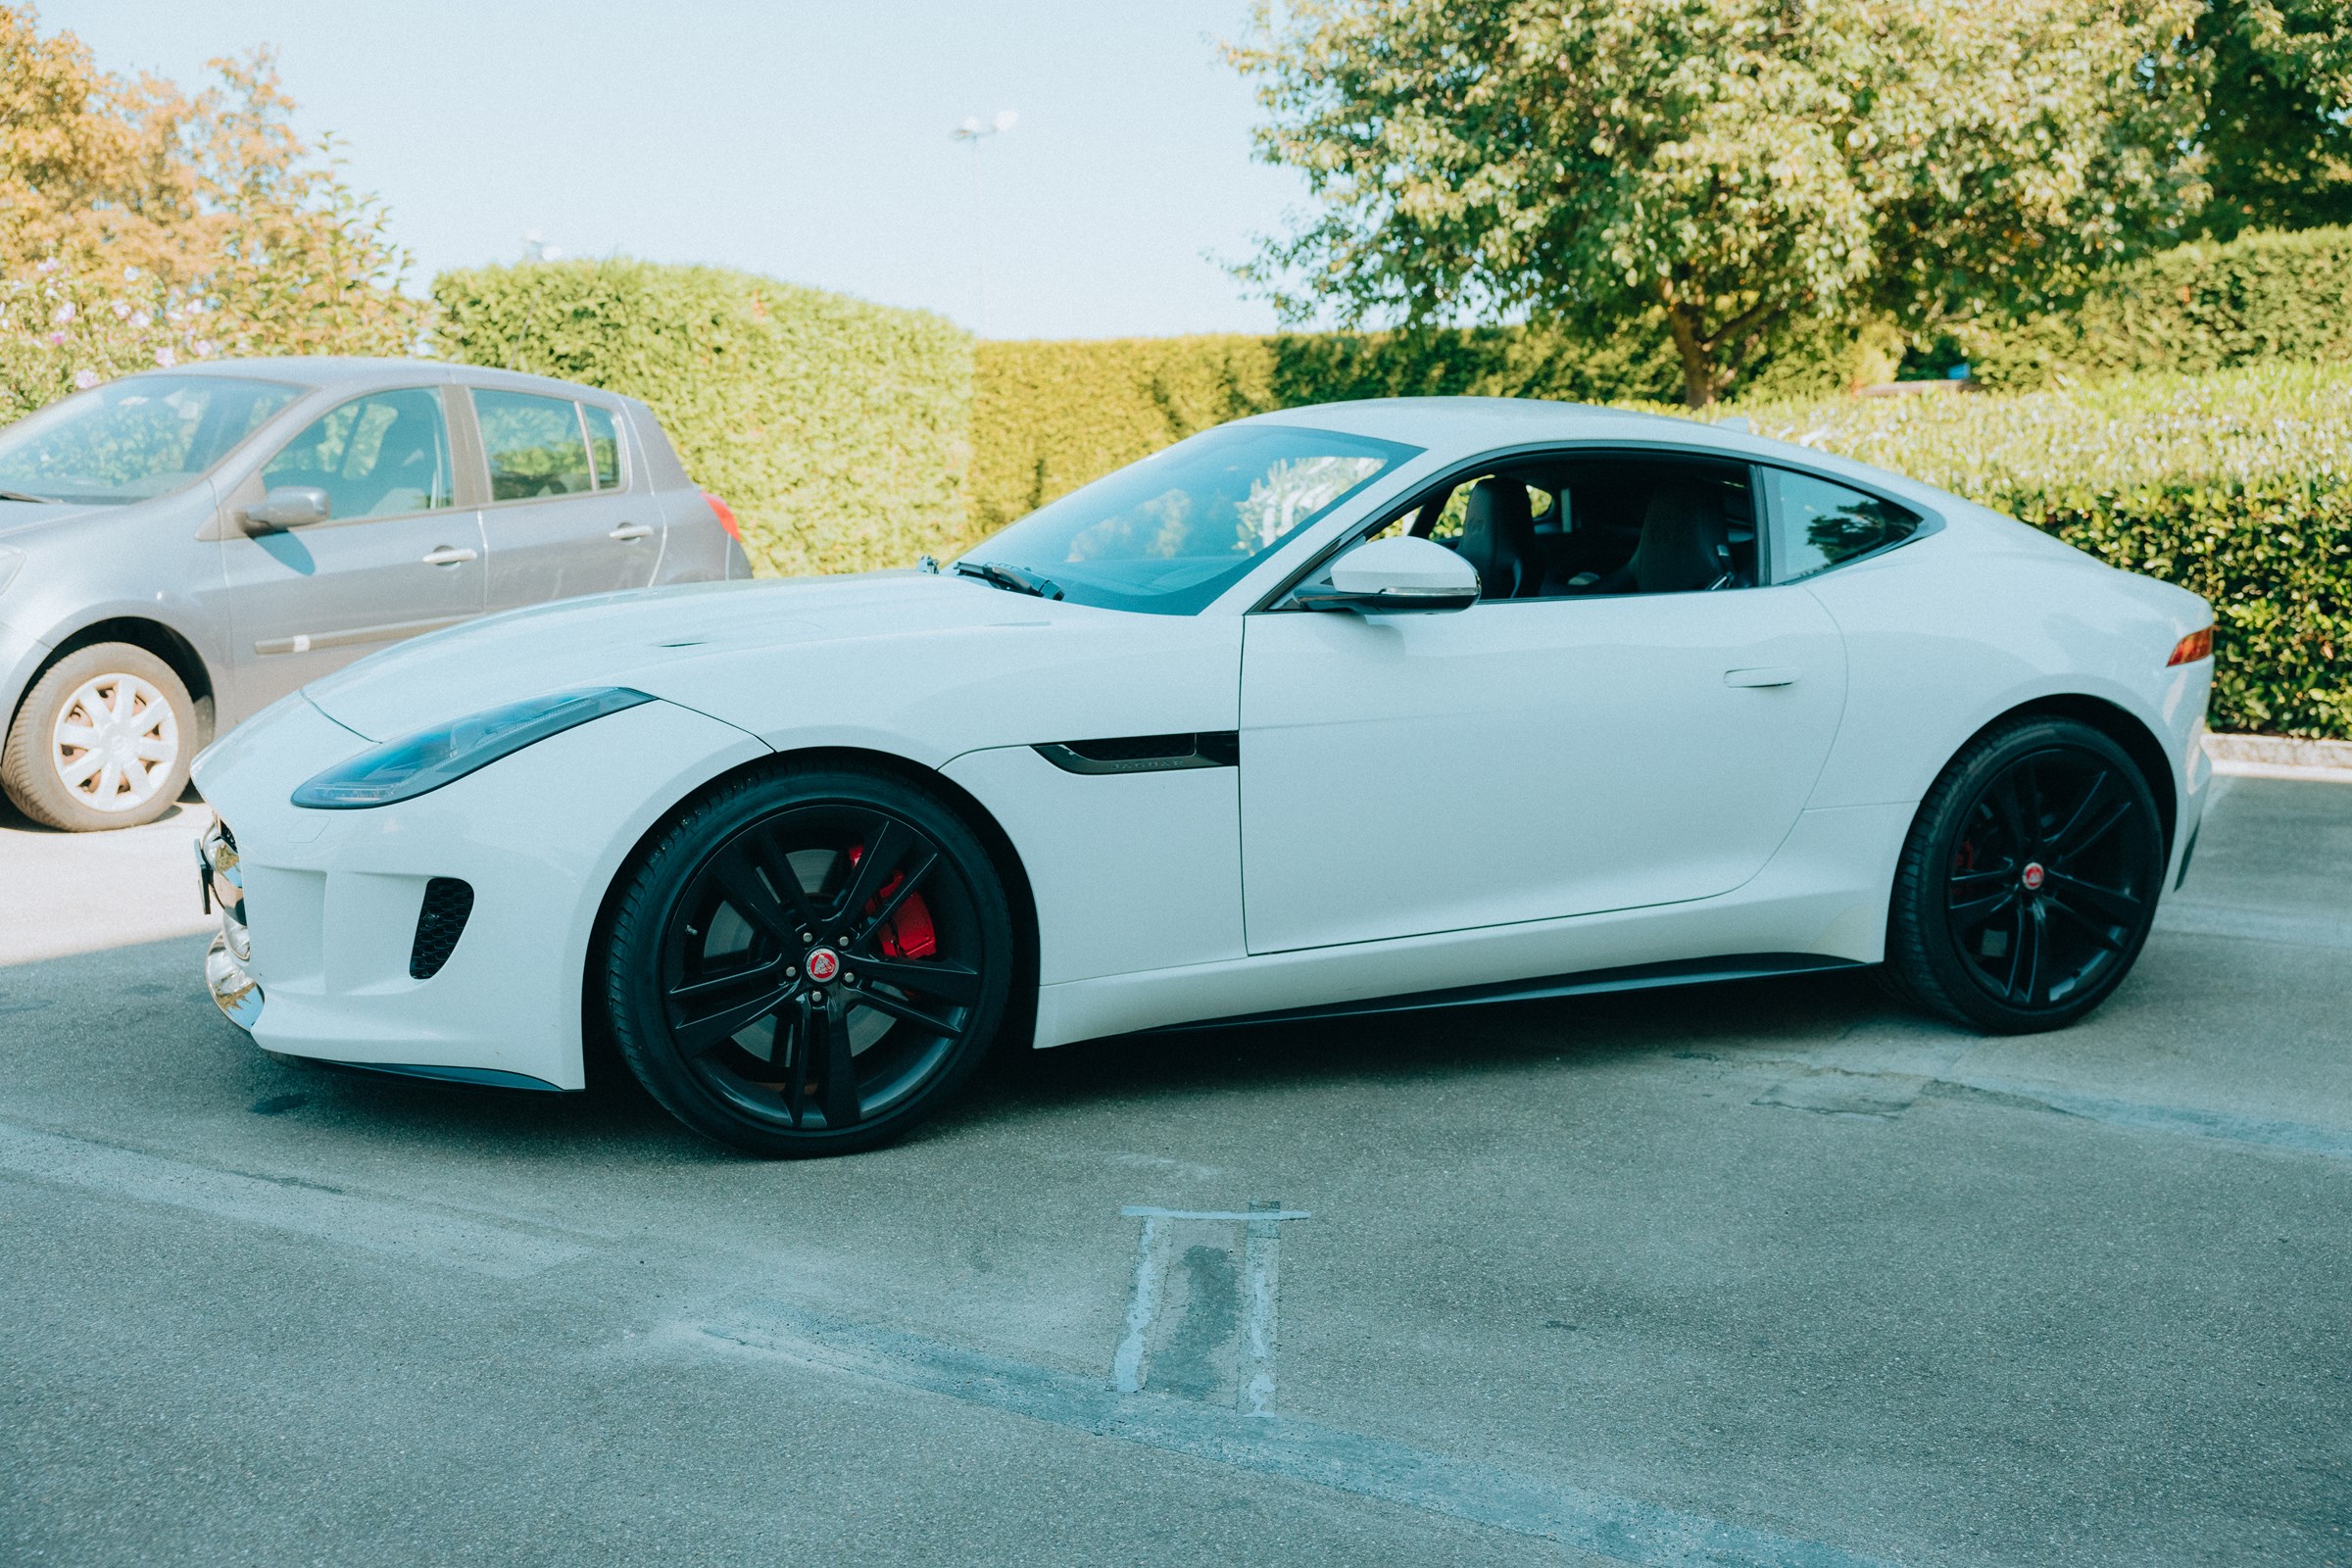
[(333, 372), (1452, 428), (1490, 422)]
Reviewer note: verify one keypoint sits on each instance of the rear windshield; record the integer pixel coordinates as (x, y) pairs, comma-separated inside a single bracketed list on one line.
[(1168, 534), (147, 435)]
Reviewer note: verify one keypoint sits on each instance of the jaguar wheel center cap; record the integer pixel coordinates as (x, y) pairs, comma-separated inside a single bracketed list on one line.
[(2032, 877), (824, 965)]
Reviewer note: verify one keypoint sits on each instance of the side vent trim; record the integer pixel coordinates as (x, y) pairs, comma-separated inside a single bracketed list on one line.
[(1144, 754), (448, 903)]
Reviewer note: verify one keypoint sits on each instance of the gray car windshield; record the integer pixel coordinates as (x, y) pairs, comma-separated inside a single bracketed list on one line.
[(147, 435), (1168, 534)]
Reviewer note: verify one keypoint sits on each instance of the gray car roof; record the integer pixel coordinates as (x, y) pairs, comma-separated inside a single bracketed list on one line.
[(352, 373)]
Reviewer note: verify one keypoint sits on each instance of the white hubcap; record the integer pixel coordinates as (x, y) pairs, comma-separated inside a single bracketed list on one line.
[(116, 742)]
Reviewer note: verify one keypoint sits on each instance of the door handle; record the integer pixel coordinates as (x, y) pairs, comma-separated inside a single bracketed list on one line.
[(450, 556), (1768, 675), (629, 530)]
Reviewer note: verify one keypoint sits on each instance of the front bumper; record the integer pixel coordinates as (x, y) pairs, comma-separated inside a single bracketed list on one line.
[(319, 960), (222, 883)]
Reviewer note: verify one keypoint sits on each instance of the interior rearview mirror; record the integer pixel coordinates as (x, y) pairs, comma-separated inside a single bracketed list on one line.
[(289, 506), (1395, 574)]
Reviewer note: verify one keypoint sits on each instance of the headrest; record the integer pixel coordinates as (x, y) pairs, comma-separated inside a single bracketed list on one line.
[(1498, 531), (1685, 544)]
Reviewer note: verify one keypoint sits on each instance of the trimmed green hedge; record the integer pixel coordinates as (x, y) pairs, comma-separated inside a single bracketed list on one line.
[(2201, 307), (838, 431), (1049, 417), (2236, 484)]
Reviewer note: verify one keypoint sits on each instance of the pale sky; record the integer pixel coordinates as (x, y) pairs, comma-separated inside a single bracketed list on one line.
[(808, 142)]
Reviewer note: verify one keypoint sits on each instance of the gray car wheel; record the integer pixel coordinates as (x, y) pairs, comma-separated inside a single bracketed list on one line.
[(103, 740)]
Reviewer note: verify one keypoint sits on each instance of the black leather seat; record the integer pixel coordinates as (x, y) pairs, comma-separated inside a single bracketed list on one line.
[(1685, 545), (1499, 538)]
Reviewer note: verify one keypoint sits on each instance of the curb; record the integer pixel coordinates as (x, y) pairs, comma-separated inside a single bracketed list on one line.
[(2280, 757)]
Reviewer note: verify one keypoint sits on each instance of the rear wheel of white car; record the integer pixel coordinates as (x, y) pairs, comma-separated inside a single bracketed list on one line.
[(103, 740), (2030, 880), (810, 962)]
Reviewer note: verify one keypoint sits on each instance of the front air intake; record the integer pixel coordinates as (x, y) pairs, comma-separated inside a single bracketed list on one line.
[(447, 903)]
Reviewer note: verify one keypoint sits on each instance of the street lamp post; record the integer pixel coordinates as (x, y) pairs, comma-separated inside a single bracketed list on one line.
[(975, 131)]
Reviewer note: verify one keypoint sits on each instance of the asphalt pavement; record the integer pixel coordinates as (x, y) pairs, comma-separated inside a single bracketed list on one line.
[(1771, 1273)]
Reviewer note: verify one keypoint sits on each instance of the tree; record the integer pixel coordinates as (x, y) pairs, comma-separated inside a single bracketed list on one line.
[(2279, 115), (1724, 166), (140, 224)]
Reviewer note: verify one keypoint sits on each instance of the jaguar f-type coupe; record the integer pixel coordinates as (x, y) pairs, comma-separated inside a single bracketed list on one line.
[(1339, 709)]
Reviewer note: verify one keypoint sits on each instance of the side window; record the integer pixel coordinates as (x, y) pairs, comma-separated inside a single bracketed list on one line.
[(604, 445), (374, 457), (1643, 525), (1573, 525), (533, 444), (1816, 524)]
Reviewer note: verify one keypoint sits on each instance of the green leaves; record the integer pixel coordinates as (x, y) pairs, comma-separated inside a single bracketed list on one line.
[(1732, 165), (838, 431)]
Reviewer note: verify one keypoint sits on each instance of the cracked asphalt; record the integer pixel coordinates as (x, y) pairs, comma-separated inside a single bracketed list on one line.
[(1771, 1273)]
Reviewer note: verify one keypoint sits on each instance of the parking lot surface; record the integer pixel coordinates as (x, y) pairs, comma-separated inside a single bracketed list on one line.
[(1773, 1273)]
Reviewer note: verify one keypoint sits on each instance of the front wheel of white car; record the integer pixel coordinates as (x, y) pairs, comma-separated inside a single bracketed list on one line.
[(103, 740), (808, 962)]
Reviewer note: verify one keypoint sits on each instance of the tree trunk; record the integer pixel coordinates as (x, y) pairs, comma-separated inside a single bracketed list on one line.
[(1703, 378)]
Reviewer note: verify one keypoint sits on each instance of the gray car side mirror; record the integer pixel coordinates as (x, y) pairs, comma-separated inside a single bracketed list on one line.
[(1393, 574), (289, 506)]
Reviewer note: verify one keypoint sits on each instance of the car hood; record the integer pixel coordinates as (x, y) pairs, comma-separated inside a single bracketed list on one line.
[(26, 523)]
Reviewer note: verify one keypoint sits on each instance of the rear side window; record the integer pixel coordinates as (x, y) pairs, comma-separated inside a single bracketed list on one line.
[(1817, 525), (534, 445), (604, 445)]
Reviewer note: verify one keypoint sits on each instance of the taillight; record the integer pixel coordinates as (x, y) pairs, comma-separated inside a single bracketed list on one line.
[(2191, 648), (725, 516)]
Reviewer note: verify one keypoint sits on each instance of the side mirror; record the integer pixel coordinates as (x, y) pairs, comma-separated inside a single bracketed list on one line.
[(289, 506), (1393, 574)]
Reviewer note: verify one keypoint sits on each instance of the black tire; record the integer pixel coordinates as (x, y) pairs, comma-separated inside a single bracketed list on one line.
[(35, 757), (2028, 882), (716, 967)]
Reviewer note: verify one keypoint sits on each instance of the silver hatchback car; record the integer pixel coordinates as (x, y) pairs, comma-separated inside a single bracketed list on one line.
[(180, 548)]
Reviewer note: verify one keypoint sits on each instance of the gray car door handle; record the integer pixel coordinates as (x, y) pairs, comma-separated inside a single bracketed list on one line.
[(450, 556), (629, 530), (1768, 675)]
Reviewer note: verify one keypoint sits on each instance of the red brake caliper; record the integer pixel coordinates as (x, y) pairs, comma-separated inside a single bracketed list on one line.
[(907, 933)]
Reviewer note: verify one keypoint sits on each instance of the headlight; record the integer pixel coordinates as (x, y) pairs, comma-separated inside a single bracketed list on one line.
[(415, 764), (9, 560)]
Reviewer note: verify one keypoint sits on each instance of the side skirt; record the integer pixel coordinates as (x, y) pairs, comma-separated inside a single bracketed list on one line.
[(1632, 977)]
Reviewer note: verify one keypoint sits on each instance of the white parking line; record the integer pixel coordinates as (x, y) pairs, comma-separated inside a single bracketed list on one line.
[(371, 1224), (1623, 1529), (2193, 919)]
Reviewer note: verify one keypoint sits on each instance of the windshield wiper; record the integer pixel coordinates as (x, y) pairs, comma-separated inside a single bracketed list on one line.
[(1010, 579), (19, 495)]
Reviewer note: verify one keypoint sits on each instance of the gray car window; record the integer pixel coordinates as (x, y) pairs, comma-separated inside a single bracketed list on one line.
[(534, 445), (1816, 524), (604, 445), (146, 435), (374, 457)]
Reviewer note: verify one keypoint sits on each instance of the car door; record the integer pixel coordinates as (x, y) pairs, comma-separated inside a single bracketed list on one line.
[(570, 513), (1528, 758), (396, 555)]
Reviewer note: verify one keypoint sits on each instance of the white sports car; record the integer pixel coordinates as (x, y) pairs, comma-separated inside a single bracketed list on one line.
[(1344, 709)]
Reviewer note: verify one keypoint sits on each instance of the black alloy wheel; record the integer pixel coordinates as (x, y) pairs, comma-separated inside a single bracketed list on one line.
[(808, 964), (2030, 880)]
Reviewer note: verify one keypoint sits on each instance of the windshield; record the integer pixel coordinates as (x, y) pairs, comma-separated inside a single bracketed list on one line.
[(147, 435), (1168, 534)]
